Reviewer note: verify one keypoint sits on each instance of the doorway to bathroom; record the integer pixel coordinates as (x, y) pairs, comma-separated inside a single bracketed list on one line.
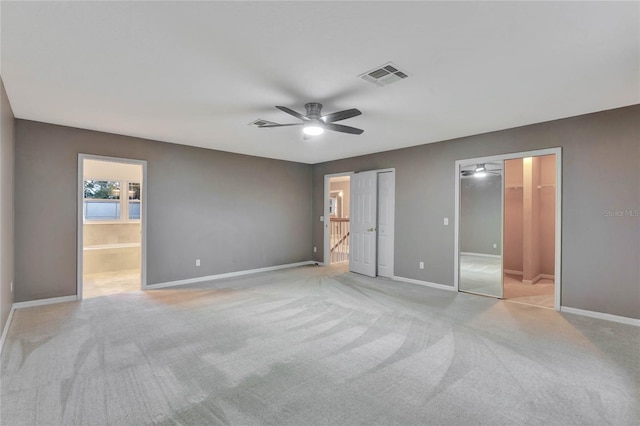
[(111, 225)]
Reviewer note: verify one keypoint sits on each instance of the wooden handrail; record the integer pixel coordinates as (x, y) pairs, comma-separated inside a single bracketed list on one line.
[(339, 219), (342, 240)]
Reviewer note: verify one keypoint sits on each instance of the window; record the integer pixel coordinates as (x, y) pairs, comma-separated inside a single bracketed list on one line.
[(134, 201), (103, 200)]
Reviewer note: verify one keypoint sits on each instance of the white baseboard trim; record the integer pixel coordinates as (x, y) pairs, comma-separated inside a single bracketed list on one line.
[(495, 256), (40, 302), (538, 278), (424, 283), (29, 304), (5, 330), (533, 281), (600, 315), (227, 275)]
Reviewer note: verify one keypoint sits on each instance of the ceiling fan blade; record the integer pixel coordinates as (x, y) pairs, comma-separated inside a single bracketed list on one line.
[(292, 112), (340, 115), (280, 125), (343, 129)]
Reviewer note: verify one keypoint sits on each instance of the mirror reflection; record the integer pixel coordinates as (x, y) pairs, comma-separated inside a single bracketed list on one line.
[(480, 231)]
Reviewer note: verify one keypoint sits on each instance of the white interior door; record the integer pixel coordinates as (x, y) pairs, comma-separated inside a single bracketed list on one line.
[(386, 210), (363, 238)]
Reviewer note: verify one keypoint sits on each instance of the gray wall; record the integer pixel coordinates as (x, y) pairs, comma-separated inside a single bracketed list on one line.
[(215, 206), (601, 163), (7, 144), (481, 215)]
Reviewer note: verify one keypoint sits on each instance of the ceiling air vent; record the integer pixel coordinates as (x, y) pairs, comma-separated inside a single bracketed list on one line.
[(260, 122), (384, 75)]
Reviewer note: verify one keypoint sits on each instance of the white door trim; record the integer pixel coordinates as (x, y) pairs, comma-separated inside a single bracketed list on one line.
[(558, 237), (80, 216)]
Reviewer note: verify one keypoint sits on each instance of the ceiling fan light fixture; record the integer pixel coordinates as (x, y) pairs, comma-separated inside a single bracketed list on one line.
[(480, 168), (480, 174), (312, 129)]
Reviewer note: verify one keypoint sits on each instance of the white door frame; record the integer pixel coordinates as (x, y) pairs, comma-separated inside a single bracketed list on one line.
[(558, 215), (80, 218), (325, 224)]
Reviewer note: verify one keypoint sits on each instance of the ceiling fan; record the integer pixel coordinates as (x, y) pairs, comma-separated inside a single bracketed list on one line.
[(480, 171), (314, 124)]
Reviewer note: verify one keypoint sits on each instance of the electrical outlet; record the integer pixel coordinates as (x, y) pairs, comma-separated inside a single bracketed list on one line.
[(421, 265), (495, 246), (197, 262), (315, 249), (11, 286), (446, 220), (321, 218)]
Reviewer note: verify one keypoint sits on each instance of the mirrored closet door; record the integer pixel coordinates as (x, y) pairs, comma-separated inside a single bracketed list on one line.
[(480, 228)]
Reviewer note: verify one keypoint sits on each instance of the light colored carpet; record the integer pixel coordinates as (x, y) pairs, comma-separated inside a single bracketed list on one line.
[(314, 346)]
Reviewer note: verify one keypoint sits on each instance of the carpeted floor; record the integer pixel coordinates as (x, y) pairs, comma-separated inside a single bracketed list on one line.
[(314, 346)]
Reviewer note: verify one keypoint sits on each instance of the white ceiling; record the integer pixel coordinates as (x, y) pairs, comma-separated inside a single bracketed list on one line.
[(196, 73)]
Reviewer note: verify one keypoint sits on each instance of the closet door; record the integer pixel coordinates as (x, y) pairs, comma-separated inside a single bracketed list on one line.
[(480, 229), (363, 240)]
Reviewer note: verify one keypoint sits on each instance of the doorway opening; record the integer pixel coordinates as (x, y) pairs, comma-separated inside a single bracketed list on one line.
[(529, 230), (339, 223), (111, 231), (359, 221), (508, 211)]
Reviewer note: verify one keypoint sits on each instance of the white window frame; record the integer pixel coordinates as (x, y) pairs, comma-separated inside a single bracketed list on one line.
[(124, 202)]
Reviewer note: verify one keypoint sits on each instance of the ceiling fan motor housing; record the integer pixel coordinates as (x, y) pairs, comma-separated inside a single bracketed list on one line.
[(313, 109)]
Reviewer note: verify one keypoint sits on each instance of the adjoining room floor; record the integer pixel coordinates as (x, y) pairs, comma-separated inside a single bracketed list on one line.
[(541, 293), (107, 283), (310, 346)]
